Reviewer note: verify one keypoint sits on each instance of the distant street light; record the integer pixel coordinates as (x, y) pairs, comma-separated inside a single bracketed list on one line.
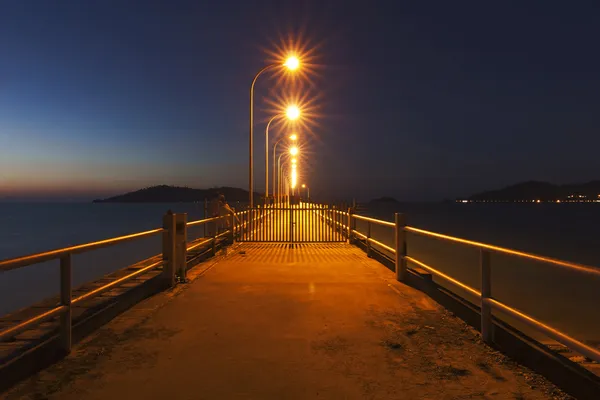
[(291, 63), (292, 113), (307, 191), (293, 151), (292, 137)]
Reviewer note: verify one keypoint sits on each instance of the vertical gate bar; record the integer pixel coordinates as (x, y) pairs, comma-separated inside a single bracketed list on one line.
[(316, 223), (321, 222), (310, 224), (272, 215), (337, 231), (327, 223), (330, 223), (272, 223), (304, 223), (299, 223)]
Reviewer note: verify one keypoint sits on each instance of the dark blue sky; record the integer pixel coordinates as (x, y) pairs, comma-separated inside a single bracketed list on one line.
[(419, 100)]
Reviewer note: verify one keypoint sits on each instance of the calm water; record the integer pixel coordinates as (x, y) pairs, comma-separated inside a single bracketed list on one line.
[(557, 296)]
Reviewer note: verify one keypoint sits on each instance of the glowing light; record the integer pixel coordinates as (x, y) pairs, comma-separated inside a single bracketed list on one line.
[(293, 136), (294, 160), (292, 63), (303, 186), (539, 201), (294, 151), (294, 178), (292, 112)]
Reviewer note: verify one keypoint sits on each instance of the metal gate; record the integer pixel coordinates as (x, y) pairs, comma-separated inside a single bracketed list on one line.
[(304, 223)]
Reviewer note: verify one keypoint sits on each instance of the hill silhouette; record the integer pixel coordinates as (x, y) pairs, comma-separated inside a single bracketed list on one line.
[(544, 191), (177, 194)]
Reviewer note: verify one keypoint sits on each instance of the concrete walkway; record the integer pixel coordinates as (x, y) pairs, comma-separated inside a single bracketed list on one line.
[(317, 322)]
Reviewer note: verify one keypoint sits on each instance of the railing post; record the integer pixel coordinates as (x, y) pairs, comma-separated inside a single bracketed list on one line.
[(65, 300), (181, 240), (169, 249), (486, 293), (232, 228), (368, 238), (349, 234), (400, 247), (214, 238), (205, 214)]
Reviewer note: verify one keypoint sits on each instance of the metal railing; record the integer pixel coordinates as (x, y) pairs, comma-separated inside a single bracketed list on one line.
[(173, 260), (487, 302), (285, 223)]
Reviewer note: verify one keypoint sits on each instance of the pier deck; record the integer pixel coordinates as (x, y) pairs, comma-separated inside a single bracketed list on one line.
[(270, 322)]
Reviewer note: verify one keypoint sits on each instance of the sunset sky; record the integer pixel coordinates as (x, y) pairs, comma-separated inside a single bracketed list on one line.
[(418, 100)]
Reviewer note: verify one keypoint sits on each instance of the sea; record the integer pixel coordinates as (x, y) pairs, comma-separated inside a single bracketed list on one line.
[(560, 297)]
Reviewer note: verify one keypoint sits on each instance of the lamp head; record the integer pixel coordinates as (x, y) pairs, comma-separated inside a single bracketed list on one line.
[(292, 63), (292, 112)]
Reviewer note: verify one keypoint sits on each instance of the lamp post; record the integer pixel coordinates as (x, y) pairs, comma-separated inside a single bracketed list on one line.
[(294, 178), (292, 63), (292, 113)]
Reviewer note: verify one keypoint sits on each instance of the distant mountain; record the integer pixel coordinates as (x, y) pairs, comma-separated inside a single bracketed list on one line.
[(544, 191), (175, 194)]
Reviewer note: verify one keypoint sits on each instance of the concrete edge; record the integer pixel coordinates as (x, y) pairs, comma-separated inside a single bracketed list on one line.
[(564, 373)]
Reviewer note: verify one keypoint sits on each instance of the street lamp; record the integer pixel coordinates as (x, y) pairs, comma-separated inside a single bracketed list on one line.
[(291, 63), (292, 113), (293, 151), (292, 137), (294, 178)]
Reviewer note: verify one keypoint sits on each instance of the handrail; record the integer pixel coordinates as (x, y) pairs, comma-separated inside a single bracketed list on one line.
[(488, 302), (373, 220), (14, 263), (498, 249), (442, 275), (64, 254), (114, 283), (377, 242), (203, 221)]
